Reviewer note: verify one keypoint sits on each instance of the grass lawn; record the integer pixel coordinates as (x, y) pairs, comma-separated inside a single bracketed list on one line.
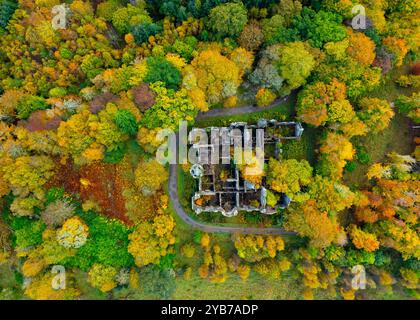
[(256, 287), (304, 148)]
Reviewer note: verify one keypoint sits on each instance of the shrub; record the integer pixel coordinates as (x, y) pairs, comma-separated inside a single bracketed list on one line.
[(362, 156), (230, 102), (350, 166), (66, 53), (54, 194)]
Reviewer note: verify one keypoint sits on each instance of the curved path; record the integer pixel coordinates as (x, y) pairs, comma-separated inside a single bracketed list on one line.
[(173, 183)]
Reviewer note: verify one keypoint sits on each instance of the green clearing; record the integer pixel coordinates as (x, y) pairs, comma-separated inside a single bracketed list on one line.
[(304, 148), (397, 137), (255, 287)]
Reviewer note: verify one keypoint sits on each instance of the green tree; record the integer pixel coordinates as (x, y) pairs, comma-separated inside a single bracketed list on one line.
[(29, 104), (170, 107), (227, 20), (107, 244), (295, 64), (320, 27), (275, 31), (143, 31), (126, 121), (288, 9), (126, 17), (27, 232), (161, 70), (7, 8)]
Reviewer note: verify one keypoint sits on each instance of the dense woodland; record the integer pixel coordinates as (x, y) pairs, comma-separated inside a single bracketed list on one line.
[(80, 108)]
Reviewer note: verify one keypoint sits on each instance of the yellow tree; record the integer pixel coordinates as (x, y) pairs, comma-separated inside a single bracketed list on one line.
[(243, 271), (362, 239), (150, 176), (102, 277), (151, 241), (289, 176), (251, 168), (361, 47), (330, 196), (336, 150), (214, 74), (41, 289), (309, 222), (243, 60), (376, 113), (27, 174), (73, 233), (255, 247)]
